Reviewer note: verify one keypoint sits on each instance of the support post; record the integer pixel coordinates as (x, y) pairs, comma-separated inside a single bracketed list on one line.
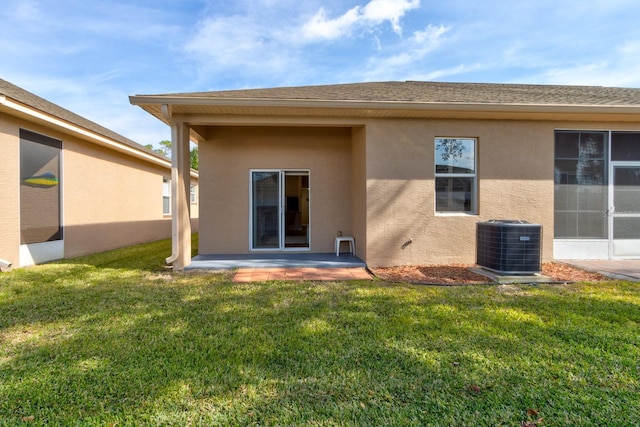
[(180, 196)]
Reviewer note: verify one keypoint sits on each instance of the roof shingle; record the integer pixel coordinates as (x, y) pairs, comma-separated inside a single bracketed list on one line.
[(436, 92)]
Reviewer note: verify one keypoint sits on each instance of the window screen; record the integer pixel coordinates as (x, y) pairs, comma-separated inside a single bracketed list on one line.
[(581, 190), (40, 180)]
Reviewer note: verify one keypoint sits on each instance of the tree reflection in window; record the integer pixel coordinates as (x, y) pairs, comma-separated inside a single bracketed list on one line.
[(455, 175), (455, 155)]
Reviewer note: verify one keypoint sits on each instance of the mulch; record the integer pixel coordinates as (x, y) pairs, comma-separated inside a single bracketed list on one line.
[(461, 274)]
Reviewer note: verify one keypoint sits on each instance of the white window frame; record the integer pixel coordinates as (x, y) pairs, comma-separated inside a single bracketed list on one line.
[(474, 176), (166, 195), (281, 211), (193, 194)]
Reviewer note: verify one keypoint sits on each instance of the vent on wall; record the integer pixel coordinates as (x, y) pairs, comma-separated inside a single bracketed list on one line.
[(509, 246)]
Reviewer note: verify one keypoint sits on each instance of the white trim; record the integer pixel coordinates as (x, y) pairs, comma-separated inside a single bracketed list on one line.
[(620, 248), (474, 176), (581, 249), (142, 100), (37, 253), (295, 172), (251, 243), (601, 248), (167, 194), (625, 249), (193, 194)]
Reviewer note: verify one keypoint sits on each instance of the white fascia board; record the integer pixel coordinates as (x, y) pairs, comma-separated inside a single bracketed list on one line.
[(383, 105)]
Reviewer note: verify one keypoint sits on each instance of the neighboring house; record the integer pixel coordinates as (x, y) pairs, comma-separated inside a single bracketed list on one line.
[(410, 168), (71, 187)]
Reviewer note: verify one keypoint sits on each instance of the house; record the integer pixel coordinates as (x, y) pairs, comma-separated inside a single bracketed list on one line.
[(71, 187), (409, 168)]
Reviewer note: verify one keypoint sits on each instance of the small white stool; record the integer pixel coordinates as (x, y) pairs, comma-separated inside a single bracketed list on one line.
[(352, 244)]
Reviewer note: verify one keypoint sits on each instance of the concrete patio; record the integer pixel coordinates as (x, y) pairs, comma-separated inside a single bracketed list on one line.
[(274, 260), (628, 269), (285, 266)]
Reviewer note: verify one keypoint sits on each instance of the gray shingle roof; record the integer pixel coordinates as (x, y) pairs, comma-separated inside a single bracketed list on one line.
[(436, 92), (27, 98)]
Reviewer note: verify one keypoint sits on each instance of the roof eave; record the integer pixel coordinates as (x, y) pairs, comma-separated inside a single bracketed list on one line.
[(142, 100)]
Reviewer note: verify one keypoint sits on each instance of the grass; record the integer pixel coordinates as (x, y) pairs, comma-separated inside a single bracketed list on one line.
[(113, 339)]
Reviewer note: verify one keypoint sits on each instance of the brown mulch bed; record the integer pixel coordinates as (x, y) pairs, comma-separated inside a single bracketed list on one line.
[(460, 274)]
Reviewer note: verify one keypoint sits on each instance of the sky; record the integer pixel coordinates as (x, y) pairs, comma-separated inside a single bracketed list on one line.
[(90, 56)]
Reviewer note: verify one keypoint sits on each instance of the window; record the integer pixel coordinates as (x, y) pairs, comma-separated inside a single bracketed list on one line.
[(455, 163), (40, 201), (581, 185), (193, 195), (625, 146), (166, 196)]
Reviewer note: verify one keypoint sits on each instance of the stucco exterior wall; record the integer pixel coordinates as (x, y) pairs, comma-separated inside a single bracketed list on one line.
[(375, 179), (515, 181), (109, 199), (359, 189), (9, 190), (231, 152)]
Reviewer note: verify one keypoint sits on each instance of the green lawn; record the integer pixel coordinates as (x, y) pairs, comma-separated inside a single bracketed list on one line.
[(113, 339)]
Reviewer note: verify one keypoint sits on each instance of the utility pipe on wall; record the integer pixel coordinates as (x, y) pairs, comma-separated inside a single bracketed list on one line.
[(5, 265), (166, 113)]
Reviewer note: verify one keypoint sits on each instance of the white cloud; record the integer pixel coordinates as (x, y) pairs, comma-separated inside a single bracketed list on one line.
[(441, 73), (379, 11), (619, 67), (413, 51), (226, 39), (374, 13), (76, 52), (595, 74), (287, 42), (319, 27), (241, 43), (427, 40)]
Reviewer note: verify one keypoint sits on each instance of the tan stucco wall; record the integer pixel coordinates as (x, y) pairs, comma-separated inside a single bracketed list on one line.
[(231, 152), (9, 190), (359, 189), (110, 199), (390, 187), (515, 181)]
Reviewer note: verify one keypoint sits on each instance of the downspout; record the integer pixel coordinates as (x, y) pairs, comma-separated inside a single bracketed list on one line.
[(5, 265), (166, 113)]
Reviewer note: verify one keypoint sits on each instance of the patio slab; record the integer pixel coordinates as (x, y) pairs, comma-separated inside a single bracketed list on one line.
[(279, 260), (627, 269)]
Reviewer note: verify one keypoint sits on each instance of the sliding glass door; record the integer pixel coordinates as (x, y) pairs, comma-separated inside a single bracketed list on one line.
[(597, 195), (279, 205), (265, 210), (625, 210)]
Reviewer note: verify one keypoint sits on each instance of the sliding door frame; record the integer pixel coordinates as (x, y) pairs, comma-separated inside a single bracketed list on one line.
[(281, 207)]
